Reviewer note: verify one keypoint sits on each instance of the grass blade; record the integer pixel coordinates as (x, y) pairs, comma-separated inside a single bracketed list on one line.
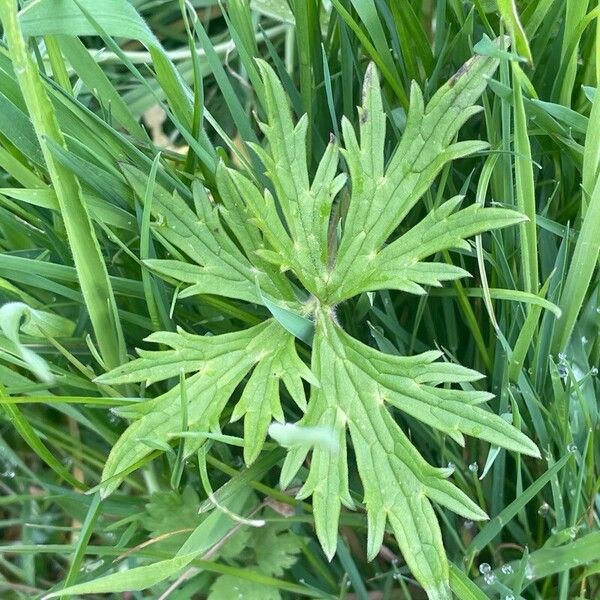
[(525, 192), (89, 263)]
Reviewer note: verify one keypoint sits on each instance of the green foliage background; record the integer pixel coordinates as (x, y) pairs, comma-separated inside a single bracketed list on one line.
[(136, 143)]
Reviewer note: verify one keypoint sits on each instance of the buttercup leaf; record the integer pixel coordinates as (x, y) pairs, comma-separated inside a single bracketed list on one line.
[(219, 266), (280, 247), (218, 364)]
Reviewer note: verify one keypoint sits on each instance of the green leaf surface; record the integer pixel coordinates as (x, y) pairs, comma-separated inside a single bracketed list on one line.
[(264, 246), (356, 384), (219, 364), (168, 512), (219, 266), (227, 587), (393, 189), (275, 549)]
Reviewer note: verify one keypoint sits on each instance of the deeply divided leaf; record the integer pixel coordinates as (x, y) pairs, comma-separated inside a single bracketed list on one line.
[(286, 248)]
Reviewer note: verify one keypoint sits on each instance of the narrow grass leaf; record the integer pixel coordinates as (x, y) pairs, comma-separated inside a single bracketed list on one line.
[(495, 526), (30, 436), (524, 190), (90, 266), (508, 11)]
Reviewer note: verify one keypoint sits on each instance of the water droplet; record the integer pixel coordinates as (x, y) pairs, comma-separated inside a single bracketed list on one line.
[(452, 466), (489, 578), (473, 467), (92, 565), (469, 524), (529, 572), (563, 372), (584, 340), (598, 309), (594, 371), (573, 533), (509, 597), (543, 509), (572, 448), (485, 568), (9, 474), (562, 356), (506, 569)]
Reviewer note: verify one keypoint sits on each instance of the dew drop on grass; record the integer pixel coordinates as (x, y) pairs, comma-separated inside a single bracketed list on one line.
[(469, 524), (485, 568), (572, 448), (473, 467), (594, 371), (544, 509), (506, 569), (509, 597), (529, 572), (489, 578)]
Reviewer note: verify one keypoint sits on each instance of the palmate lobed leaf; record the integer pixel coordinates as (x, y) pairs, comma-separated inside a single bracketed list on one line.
[(393, 189), (219, 364), (353, 386), (400, 264), (356, 382), (218, 265)]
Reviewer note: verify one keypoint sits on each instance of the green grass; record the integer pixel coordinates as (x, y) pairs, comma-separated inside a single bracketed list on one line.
[(411, 285)]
